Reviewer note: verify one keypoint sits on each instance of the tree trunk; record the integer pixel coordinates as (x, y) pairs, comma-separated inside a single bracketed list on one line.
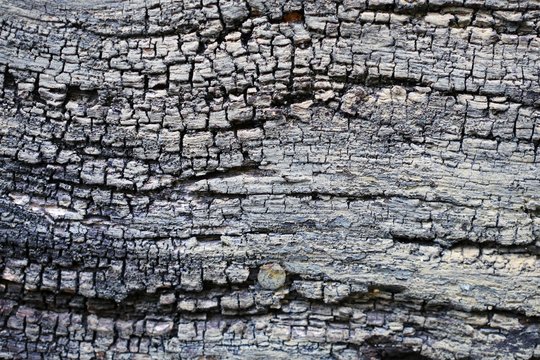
[(269, 179)]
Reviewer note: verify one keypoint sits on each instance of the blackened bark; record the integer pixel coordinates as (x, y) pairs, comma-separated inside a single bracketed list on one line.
[(269, 179)]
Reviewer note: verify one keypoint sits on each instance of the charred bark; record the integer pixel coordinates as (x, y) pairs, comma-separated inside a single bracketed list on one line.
[(269, 179)]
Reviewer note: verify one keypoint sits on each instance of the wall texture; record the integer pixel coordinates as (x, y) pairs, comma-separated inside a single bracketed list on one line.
[(269, 179)]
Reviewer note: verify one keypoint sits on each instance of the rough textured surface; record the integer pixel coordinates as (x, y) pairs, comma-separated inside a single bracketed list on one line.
[(160, 161)]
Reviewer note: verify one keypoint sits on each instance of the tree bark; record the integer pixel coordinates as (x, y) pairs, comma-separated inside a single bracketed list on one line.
[(269, 179)]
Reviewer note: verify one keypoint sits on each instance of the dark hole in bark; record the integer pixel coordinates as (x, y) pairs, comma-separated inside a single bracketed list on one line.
[(160, 87), (209, 237), (201, 48), (75, 93), (397, 354), (9, 80), (293, 17), (394, 289)]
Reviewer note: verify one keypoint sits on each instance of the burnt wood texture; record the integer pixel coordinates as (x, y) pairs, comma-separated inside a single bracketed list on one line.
[(269, 179)]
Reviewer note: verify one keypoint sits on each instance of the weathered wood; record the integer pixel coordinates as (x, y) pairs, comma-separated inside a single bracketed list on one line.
[(269, 179)]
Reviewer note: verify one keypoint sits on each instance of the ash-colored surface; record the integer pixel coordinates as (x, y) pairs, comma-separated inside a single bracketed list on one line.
[(159, 158)]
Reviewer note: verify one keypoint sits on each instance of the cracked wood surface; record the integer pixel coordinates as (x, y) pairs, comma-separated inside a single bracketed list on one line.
[(269, 179)]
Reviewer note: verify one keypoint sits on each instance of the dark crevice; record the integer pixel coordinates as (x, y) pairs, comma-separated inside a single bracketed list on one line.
[(9, 80), (413, 239), (390, 353), (87, 96), (293, 17), (530, 249)]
